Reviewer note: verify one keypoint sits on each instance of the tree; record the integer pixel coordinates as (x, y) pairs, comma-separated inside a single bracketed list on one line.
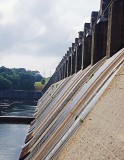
[(5, 70), (26, 82), (4, 83), (19, 78), (43, 81), (38, 78)]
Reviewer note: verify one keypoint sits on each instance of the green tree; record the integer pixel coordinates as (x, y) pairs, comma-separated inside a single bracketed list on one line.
[(26, 82), (19, 78), (43, 81), (4, 83)]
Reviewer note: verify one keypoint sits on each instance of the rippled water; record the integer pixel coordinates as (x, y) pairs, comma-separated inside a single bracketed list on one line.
[(17, 110), (12, 138)]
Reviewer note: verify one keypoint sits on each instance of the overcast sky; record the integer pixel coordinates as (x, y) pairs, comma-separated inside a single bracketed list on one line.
[(36, 34)]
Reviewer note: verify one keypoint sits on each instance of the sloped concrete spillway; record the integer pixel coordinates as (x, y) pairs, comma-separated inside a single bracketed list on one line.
[(101, 136), (64, 106)]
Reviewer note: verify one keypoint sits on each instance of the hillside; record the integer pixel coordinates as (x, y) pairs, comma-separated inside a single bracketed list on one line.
[(19, 79)]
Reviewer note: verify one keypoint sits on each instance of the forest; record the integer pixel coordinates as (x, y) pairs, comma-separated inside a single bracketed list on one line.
[(19, 79)]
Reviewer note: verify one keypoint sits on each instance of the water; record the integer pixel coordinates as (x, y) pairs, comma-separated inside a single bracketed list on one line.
[(12, 138), (18, 109)]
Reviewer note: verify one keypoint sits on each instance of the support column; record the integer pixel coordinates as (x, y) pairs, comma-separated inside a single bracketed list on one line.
[(99, 39), (99, 34), (76, 54), (62, 66), (66, 66), (59, 73), (73, 59), (56, 75), (70, 51), (79, 51), (94, 16), (86, 49), (69, 63), (115, 36)]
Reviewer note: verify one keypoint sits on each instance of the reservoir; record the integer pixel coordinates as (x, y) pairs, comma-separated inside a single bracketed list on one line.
[(18, 109), (12, 136)]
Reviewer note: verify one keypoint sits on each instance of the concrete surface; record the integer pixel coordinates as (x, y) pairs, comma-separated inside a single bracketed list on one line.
[(101, 136)]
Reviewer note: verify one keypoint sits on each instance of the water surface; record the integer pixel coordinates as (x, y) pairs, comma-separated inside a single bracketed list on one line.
[(12, 138), (17, 110)]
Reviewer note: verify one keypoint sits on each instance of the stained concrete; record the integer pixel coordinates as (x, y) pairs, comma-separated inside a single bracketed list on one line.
[(115, 35), (101, 136)]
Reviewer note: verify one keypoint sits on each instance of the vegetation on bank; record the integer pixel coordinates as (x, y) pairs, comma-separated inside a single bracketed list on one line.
[(40, 85), (20, 79)]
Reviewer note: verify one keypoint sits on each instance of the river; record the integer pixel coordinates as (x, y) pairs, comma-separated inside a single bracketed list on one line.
[(12, 136)]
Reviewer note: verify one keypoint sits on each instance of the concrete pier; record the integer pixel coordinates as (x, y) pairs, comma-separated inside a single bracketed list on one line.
[(73, 59), (115, 36), (86, 48), (99, 39), (94, 16), (76, 54), (69, 63), (79, 51), (70, 59), (64, 67), (99, 34)]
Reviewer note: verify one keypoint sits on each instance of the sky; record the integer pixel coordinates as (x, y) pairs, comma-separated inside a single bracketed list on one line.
[(36, 34)]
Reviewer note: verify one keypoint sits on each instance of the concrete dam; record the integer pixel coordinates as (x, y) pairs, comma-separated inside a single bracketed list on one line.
[(80, 113)]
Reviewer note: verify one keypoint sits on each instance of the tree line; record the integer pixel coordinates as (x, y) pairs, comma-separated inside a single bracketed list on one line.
[(18, 78)]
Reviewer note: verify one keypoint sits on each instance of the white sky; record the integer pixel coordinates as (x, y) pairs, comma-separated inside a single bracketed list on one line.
[(36, 34)]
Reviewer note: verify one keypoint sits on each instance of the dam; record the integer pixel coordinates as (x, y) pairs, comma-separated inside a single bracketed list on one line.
[(82, 104)]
